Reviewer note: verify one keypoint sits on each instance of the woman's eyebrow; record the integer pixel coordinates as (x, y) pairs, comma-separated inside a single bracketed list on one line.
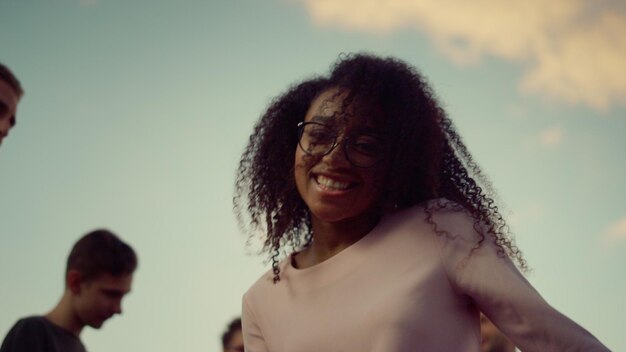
[(320, 118)]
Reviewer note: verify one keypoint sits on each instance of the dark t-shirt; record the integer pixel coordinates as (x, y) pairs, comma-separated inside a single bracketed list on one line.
[(38, 334)]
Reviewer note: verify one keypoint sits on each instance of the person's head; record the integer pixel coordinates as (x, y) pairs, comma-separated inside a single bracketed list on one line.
[(232, 338), (98, 275), (340, 163), (492, 339), (382, 127), (10, 94)]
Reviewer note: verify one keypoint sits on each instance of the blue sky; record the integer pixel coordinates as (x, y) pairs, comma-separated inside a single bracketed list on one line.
[(136, 113)]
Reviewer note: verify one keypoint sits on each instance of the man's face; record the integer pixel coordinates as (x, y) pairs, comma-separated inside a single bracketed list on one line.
[(101, 298), (8, 108)]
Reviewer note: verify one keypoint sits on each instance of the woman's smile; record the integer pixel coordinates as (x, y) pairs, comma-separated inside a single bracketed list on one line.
[(330, 184)]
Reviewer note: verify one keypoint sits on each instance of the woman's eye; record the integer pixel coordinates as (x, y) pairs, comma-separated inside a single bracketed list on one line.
[(319, 135), (366, 148), (367, 145)]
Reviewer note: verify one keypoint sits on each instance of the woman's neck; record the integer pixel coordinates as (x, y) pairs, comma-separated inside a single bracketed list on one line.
[(332, 238)]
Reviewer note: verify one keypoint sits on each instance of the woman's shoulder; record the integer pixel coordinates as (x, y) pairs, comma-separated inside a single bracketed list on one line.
[(437, 211), (449, 222), (266, 281), (440, 222), (445, 206)]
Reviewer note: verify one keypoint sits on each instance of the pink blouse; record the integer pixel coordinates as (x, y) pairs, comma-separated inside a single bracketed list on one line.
[(403, 288)]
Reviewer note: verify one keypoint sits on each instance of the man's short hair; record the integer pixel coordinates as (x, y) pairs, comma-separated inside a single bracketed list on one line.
[(232, 328), (8, 76), (100, 252)]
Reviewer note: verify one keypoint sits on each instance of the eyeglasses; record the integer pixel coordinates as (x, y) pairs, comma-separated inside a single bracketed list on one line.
[(361, 150)]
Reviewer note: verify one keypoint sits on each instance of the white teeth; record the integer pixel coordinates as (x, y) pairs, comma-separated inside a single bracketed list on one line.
[(330, 183)]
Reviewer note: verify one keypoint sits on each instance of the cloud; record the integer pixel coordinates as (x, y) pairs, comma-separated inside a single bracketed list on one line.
[(551, 137), (616, 231), (572, 51)]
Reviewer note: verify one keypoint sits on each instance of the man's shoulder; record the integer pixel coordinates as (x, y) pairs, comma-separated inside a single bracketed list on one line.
[(38, 334), (26, 334), (30, 324)]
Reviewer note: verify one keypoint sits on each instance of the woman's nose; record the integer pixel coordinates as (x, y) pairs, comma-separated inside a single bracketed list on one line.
[(337, 155)]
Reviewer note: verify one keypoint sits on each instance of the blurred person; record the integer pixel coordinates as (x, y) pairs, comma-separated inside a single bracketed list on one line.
[(10, 93), (492, 339), (232, 338), (98, 275), (383, 233)]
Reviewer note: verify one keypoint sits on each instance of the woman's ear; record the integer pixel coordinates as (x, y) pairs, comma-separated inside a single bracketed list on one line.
[(73, 280)]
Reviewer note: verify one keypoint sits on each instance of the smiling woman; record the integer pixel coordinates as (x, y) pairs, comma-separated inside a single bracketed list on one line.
[(339, 182), (382, 230)]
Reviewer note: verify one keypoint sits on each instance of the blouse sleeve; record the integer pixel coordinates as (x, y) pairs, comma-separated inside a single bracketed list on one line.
[(253, 340), (499, 290)]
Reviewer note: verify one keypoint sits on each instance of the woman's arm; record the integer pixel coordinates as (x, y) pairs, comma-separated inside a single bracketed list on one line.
[(498, 289), (253, 340)]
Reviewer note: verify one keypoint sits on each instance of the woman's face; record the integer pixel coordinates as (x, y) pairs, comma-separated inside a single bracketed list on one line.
[(331, 186)]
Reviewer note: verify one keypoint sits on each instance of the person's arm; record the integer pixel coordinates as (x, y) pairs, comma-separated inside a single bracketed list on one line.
[(498, 289), (253, 340), (25, 336)]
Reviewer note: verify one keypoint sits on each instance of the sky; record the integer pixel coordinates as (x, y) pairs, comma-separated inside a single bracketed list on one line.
[(136, 113)]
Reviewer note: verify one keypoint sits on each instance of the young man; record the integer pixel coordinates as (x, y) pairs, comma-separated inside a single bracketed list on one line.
[(10, 93), (99, 274)]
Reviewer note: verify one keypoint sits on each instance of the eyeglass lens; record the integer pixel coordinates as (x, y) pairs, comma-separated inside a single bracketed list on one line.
[(362, 150)]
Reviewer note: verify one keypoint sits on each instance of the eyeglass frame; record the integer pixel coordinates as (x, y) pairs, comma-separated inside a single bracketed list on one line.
[(302, 124)]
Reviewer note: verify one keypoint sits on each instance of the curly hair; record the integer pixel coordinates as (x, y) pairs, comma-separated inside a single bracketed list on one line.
[(427, 158)]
